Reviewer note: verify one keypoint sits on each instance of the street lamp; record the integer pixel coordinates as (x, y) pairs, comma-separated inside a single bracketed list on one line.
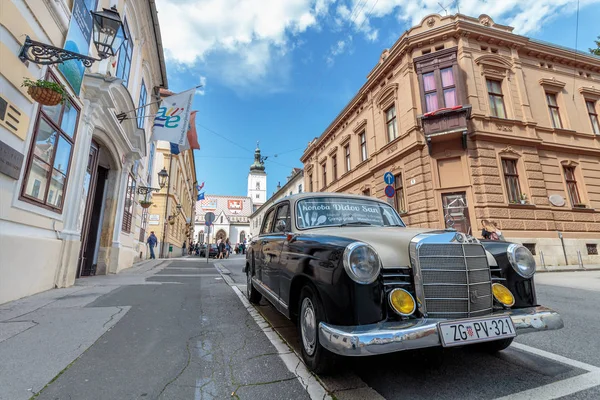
[(162, 182), (163, 176), (107, 32)]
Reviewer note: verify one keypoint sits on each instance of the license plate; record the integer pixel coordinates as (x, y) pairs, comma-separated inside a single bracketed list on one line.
[(459, 332)]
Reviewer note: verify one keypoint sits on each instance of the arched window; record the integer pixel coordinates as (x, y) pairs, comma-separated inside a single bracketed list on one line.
[(221, 219), (242, 236), (257, 185), (201, 237)]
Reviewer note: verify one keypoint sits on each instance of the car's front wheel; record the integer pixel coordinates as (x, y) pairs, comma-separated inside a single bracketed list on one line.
[(311, 313), (253, 295)]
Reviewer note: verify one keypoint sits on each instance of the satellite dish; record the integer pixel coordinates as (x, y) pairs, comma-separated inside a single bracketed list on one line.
[(556, 200)]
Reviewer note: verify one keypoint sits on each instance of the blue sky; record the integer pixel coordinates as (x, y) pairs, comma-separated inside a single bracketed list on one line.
[(279, 71)]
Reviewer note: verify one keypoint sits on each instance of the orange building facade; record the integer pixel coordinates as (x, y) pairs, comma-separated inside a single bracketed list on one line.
[(476, 123)]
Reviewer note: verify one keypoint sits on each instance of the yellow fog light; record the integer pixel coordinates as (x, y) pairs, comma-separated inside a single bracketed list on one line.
[(402, 302), (503, 295)]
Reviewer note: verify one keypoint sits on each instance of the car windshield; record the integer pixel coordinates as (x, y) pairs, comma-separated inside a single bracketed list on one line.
[(343, 211)]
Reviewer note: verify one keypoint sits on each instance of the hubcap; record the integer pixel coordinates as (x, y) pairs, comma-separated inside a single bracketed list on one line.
[(308, 326)]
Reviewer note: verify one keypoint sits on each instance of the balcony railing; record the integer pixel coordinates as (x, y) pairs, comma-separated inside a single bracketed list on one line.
[(446, 123)]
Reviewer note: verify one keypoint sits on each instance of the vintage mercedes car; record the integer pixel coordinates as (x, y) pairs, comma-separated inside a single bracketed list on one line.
[(359, 282)]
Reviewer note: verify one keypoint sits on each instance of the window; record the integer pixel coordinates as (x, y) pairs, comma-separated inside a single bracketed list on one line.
[(366, 192), (324, 167), (433, 101), (283, 214), (591, 109), (141, 111), (347, 155), (128, 208), (592, 249), (310, 183), (572, 186), (553, 108), (399, 196), (50, 155), (530, 247), (221, 219), (125, 54), (144, 225), (257, 185), (363, 146), (334, 166), (268, 221), (511, 178), (300, 188), (496, 98), (438, 78), (390, 121), (258, 196), (242, 236), (151, 162)]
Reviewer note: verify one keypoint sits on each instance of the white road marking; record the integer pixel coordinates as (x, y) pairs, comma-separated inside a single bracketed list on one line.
[(558, 389), (294, 364), (556, 357), (185, 275)]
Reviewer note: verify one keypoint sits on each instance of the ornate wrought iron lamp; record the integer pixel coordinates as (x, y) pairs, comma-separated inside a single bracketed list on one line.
[(163, 176), (108, 35)]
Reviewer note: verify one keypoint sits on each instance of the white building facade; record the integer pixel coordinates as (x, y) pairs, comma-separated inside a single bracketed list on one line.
[(69, 199), (257, 181), (294, 185), (231, 219)]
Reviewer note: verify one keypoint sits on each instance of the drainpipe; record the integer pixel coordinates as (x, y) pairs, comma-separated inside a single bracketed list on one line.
[(165, 224), (562, 241)]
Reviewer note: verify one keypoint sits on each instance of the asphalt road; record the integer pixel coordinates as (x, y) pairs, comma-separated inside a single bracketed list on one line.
[(558, 364)]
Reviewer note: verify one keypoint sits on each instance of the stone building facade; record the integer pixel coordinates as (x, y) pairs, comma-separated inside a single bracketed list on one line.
[(69, 205), (476, 123), (231, 218)]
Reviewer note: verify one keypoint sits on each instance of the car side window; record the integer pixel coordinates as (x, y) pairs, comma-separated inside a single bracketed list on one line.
[(268, 221), (283, 214)]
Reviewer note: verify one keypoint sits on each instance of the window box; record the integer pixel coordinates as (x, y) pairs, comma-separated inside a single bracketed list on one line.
[(579, 205)]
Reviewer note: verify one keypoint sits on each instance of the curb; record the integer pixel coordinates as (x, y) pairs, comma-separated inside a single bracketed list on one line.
[(568, 270)]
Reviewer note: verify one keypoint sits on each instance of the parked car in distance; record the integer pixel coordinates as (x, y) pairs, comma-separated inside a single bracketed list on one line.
[(358, 282)]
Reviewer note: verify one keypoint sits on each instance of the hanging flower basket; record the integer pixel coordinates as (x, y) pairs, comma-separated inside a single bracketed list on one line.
[(46, 93), (145, 203)]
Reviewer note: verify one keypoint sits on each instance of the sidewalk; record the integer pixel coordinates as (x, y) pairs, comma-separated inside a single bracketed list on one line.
[(567, 268), (41, 335)]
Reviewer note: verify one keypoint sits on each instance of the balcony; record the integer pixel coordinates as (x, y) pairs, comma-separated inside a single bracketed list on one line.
[(445, 123)]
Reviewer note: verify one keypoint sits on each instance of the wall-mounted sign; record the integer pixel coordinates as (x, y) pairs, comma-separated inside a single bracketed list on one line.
[(390, 191), (235, 206), (154, 217), (11, 161), (556, 200), (388, 178)]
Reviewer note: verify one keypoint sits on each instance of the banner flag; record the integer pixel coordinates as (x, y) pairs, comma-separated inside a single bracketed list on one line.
[(200, 196), (174, 148), (192, 134), (201, 186), (172, 120)]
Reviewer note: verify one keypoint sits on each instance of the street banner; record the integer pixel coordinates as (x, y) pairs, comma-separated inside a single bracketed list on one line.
[(201, 186), (200, 196), (172, 120), (78, 41)]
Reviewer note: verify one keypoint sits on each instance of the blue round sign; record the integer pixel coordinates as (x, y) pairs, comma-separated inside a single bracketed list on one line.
[(390, 191), (388, 178)]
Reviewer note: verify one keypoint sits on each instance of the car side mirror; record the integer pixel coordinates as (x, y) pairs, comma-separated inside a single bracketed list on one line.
[(280, 226)]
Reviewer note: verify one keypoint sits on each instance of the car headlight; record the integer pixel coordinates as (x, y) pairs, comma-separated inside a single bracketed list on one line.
[(521, 260), (361, 263)]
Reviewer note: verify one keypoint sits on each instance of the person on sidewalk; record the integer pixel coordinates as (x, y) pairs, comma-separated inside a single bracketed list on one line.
[(183, 249), (152, 241)]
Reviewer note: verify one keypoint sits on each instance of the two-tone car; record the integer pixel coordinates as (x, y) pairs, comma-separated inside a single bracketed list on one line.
[(359, 282)]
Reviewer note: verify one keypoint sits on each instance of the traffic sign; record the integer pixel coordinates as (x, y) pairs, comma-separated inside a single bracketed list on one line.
[(207, 223), (209, 217), (388, 178), (390, 191)]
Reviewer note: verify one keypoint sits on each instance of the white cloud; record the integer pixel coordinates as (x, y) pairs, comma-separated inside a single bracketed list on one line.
[(247, 37)]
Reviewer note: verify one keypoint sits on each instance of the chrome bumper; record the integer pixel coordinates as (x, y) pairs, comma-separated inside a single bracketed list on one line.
[(389, 337)]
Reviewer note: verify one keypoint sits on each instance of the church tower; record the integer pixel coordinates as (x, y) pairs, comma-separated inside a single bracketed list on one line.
[(257, 181)]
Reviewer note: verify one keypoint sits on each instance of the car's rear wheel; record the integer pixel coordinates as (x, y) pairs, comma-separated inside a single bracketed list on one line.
[(493, 346), (253, 295), (310, 314)]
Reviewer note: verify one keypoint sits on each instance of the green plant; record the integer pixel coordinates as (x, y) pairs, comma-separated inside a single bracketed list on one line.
[(523, 196), (41, 83)]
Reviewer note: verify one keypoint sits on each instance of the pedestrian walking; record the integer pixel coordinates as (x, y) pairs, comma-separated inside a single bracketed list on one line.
[(221, 249), (227, 248), (183, 249), (152, 241)]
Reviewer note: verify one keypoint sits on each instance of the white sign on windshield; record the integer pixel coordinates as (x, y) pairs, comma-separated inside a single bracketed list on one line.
[(337, 211)]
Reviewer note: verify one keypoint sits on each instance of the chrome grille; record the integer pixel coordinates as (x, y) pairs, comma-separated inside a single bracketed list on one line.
[(455, 278)]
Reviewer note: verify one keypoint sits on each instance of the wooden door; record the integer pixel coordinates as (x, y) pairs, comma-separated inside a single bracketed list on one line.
[(456, 211)]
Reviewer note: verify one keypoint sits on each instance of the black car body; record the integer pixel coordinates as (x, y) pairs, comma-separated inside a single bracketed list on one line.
[(360, 283), (212, 252)]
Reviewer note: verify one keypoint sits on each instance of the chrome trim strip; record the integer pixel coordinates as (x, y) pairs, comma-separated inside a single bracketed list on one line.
[(395, 275), (451, 256), (401, 283), (454, 270), (265, 291), (459, 312), (393, 336)]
